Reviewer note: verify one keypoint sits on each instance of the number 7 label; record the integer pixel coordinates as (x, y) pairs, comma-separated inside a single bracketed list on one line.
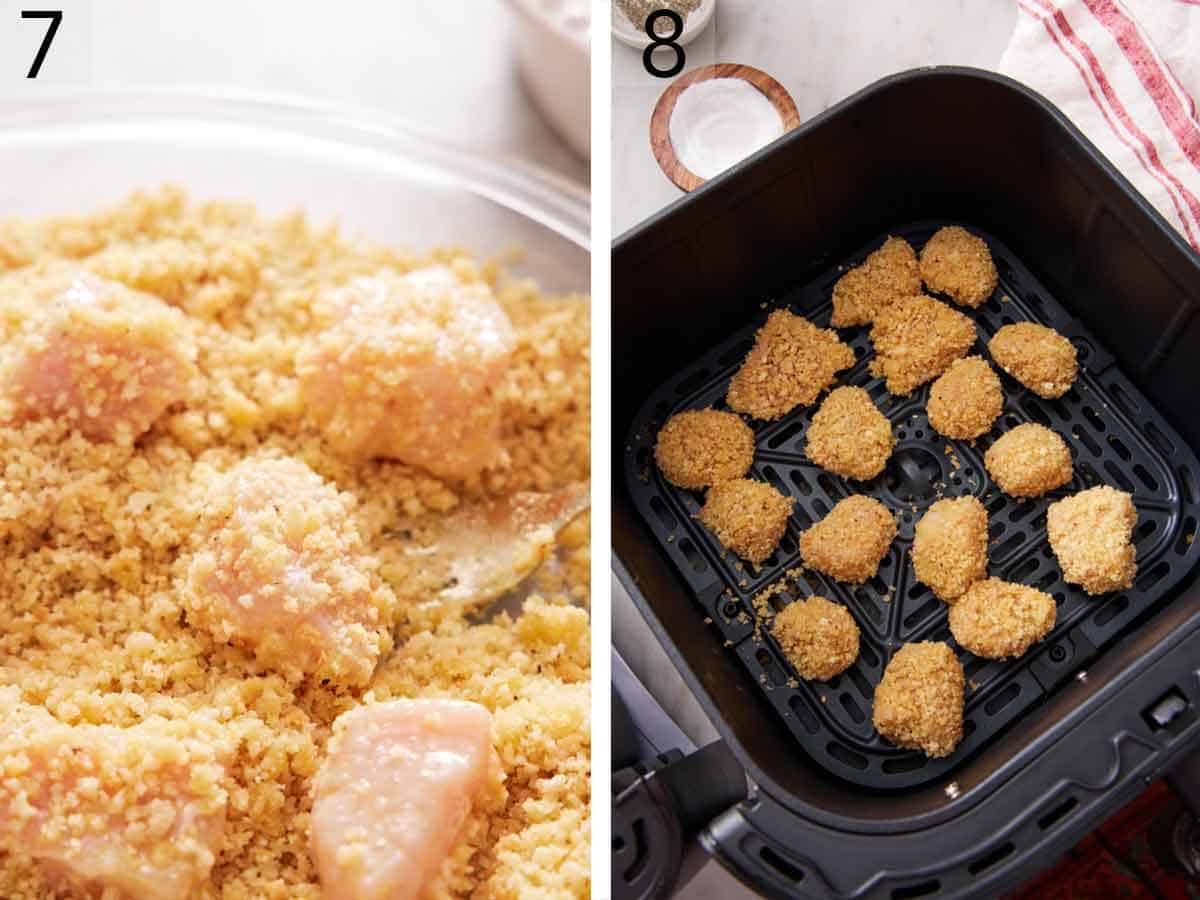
[(55, 17)]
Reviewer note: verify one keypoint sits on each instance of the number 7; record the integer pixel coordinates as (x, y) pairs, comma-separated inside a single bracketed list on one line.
[(55, 17)]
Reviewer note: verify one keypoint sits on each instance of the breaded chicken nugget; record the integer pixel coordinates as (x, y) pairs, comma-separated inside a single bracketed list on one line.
[(819, 638), (1038, 357), (791, 362), (958, 264), (966, 399), (997, 619), (700, 447), (949, 551), (1029, 461), (748, 517), (849, 543), (919, 700), (1091, 534), (849, 436), (916, 339), (888, 273)]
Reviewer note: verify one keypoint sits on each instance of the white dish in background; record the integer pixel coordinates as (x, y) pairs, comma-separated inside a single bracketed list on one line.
[(383, 179), (554, 56), (623, 30)]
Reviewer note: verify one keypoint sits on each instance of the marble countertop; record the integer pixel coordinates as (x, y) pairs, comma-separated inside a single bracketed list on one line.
[(820, 50), (391, 57)]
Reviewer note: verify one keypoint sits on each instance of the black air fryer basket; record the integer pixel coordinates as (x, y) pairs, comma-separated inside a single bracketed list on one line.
[(1053, 742)]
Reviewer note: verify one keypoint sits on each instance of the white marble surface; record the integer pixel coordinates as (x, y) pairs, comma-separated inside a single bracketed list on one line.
[(446, 66), (820, 50)]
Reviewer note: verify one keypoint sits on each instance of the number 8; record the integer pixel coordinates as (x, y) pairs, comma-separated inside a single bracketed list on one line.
[(668, 41)]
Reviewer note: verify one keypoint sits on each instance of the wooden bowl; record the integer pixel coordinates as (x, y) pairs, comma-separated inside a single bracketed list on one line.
[(660, 120)]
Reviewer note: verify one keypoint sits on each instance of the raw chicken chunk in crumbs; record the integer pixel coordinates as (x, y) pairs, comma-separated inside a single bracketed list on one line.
[(1029, 461), (886, 275), (958, 264), (919, 700), (916, 339), (997, 619), (850, 542), (819, 638), (966, 400), (791, 362), (1038, 357), (748, 517), (849, 436), (1091, 534)]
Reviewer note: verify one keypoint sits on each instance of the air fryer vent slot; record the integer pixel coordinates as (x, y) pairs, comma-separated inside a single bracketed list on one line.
[(1116, 438)]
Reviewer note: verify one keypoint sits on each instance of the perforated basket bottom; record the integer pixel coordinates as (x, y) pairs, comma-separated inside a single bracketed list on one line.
[(1116, 437)]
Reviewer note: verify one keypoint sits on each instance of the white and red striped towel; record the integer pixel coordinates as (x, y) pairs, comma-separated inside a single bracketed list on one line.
[(1126, 72)]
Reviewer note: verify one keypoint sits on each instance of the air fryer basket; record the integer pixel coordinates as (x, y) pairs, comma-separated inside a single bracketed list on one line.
[(1056, 740)]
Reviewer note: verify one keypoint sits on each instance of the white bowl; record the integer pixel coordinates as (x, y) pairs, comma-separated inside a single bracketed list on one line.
[(623, 30)]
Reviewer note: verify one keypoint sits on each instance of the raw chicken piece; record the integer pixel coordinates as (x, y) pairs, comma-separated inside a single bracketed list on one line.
[(390, 801), (283, 571), (108, 359), (408, 371), (137, 810)]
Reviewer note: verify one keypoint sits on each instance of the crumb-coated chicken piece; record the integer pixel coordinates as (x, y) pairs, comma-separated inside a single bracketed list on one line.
[(1038, 357), (850, 542), (791, 363), (410, 370), (949, 551), (748, 517), (1091, 534), (1029, 460), (966, 400), (919, 700), (698, 448), (849, 436), (819, 638), (997, 619), (916, 339), (886, 274), (958, 264)]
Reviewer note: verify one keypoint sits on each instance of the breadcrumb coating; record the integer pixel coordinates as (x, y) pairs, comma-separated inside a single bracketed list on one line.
[(958, 264), (698, 448), (966, 400), (139, 810), (96, 539), (949, 551), (748, 517), (409, 370), (916, 339), (850, 542), (791, 362), (919, 700), (997, 619), (1029, 460), (1091, 534), (1038, 357), (92, 352), (886, 274), (849, 436), (819, 638)]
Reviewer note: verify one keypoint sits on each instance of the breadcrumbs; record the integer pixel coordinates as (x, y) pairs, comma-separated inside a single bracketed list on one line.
[(819, 638), (965, 400), (701, 447), (1091, 534), (949, 551), (1029, 460), (1038, 357), (849, 436), (850, 542), (919, 700), (997, 619), (916, 339), (748, 517), (958, 264), (887, 274), (98, 537), (791, 362)]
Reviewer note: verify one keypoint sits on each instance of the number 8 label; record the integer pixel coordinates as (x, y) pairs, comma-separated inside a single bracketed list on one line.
[(667, 41)]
